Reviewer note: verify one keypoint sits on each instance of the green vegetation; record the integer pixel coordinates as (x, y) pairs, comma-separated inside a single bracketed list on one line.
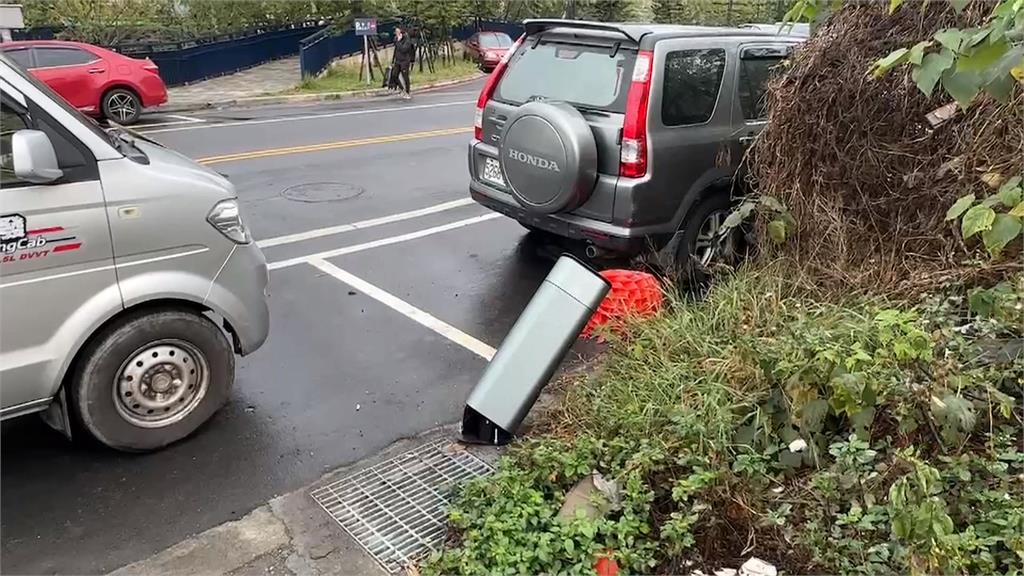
[(345, 77), (717, 12), (853, 401), (911, 416), (112, 22)]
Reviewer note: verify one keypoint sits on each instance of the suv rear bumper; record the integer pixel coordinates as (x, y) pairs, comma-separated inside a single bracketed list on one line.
[(607, 236)]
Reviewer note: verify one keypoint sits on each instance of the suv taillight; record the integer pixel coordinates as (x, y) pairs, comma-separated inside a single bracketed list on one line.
[(488, 91), (633, 154)]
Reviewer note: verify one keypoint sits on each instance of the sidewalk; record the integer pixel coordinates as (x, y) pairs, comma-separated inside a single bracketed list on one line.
[(269, 78), (289, 535)]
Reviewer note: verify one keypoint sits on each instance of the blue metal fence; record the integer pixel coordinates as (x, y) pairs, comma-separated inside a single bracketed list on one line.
[(36, 33), (513, 29), (317, 51), (181, 63), (184, 62)]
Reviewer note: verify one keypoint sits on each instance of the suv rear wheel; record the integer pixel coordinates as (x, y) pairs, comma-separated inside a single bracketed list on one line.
[(701, 244), (151, 379)]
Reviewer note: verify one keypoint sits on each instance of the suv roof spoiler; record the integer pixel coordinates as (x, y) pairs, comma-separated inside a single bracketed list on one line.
[(540, 25)]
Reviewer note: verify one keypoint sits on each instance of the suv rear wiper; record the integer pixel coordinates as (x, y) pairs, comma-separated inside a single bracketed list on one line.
[(590, 110)]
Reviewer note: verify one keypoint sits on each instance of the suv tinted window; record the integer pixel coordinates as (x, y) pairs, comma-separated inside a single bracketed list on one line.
[(584, 75), (20, 56), (47, 57), (754, 75), (692, 82)]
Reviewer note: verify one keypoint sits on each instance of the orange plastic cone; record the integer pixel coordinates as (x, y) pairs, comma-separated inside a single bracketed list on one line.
[(633, 293), (606, 566)]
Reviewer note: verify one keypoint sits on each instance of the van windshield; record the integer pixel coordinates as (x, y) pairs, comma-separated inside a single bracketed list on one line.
[(587, 76), (89, 123)]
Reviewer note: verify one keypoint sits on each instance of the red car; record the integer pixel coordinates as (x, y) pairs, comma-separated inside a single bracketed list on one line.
[(95, 80), (487, 48)]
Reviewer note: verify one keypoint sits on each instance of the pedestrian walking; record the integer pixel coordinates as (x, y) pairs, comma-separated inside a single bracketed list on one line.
[(405, 55)]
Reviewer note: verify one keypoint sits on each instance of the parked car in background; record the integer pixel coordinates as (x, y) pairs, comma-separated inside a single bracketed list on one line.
[(97, 81), (128, 279), (625, 136), (487, 48)]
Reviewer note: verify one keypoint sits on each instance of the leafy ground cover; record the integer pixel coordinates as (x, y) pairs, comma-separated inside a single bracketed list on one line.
[(856, 436)]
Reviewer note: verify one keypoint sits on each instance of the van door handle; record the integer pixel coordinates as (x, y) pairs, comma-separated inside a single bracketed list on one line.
[(96, 70)]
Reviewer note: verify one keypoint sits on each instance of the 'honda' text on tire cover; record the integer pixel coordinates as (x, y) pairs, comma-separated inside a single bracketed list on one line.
[(532, 160)]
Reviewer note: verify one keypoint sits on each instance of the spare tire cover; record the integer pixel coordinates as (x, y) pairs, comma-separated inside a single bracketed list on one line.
[(549, 157)]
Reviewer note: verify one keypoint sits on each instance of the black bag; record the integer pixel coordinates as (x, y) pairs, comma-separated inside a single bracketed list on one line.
[(389, 81)]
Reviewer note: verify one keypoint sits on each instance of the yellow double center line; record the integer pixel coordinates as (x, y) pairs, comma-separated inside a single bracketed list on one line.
[(332, 145)]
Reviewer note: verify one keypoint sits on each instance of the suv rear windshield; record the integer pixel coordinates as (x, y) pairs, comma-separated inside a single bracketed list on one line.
[(587, 76)]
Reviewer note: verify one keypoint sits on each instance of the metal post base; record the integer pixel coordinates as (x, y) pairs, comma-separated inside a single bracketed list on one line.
[(476, 429)]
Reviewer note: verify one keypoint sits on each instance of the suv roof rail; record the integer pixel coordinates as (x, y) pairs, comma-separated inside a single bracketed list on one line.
[(533, 26)]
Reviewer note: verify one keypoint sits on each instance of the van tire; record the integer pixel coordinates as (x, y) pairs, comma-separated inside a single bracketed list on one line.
[(96, 380), (122, 106)]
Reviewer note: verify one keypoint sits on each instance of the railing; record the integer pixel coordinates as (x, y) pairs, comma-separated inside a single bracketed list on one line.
[(317, 46), (318, 50), (184, 62)]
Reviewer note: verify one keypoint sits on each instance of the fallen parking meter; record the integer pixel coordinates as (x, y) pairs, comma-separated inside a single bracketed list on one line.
[(532, 351)]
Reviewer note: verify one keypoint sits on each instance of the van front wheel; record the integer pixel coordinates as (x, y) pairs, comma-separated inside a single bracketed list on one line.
[(151, 379)]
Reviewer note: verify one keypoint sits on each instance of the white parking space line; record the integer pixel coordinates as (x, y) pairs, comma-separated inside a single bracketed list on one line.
[(402, 307), (382, 242), (180, 120), (361, 225), (459, 93), (275, 120)]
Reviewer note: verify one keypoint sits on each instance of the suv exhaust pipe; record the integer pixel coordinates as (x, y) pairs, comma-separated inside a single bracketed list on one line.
[(532, 351)]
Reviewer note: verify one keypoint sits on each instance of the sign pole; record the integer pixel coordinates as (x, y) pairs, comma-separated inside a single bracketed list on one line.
[(366, 54)]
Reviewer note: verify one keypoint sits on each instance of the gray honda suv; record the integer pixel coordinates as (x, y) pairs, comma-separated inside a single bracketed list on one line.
[(626, 136)]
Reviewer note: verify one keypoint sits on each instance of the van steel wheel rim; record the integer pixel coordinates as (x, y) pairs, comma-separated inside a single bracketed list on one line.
[(121, 105), (161, 383), (707, 237)]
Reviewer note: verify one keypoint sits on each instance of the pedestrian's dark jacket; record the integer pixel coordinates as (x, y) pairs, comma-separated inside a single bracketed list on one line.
[(405, 51)]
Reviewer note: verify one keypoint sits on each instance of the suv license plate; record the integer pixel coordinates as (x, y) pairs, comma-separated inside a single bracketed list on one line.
[(492, 172)]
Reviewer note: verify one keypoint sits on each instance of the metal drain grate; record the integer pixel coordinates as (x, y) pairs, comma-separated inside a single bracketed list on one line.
[(397, 509)]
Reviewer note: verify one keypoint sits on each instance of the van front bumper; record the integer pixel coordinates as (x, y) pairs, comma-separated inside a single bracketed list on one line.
[(241, 293)]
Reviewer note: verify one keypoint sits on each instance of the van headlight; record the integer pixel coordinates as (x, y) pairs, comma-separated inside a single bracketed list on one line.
[(227, 218)]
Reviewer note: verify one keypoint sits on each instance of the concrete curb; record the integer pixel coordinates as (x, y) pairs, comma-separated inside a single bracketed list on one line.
[(317, 97)]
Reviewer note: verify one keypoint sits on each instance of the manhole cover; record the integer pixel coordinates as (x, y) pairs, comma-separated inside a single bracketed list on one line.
[(322, 192), (397, 510)]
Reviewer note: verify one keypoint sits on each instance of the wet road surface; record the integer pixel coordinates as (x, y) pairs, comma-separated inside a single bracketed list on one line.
[(342, 375)]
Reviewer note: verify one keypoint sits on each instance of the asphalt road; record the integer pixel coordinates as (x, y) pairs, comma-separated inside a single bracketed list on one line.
[(343, 373)]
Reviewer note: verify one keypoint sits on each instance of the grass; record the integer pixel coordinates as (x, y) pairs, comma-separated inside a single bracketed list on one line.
[(345, 77), (911, 447)]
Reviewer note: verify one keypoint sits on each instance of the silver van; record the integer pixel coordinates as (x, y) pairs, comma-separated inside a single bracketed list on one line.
[(128, 280)]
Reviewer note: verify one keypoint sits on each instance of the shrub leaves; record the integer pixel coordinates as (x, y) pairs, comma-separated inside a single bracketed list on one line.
[(977, 219)]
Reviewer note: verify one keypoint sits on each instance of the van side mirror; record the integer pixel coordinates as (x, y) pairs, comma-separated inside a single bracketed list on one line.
[(33, 157)]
